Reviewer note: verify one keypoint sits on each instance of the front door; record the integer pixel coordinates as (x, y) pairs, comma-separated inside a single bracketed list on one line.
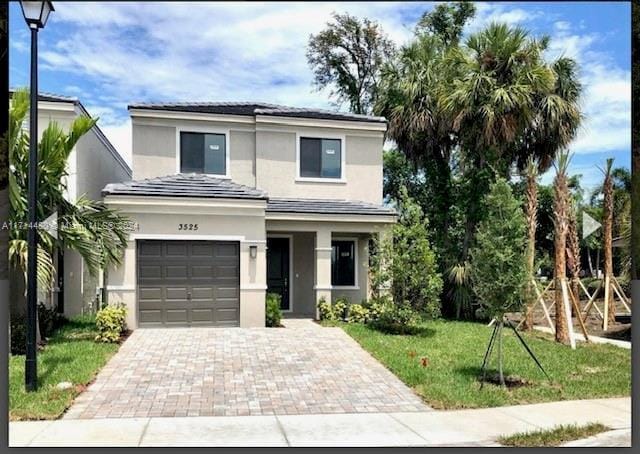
[(278, 269)]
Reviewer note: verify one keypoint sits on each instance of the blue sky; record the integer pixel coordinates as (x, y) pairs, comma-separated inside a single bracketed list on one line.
[(113, 53)]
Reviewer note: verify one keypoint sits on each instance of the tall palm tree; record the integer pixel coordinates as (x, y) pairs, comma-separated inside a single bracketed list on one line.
[(573, 248), (607, 231), (96, 232), (561, 227), (494, 103), (531, 215), (409, 97)]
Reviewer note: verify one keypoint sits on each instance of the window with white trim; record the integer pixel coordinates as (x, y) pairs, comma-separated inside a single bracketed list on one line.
[(203, 153), (320, 158), (343, 263)]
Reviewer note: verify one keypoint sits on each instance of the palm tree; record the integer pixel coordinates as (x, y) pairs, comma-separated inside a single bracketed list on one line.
[(531, 212), (97, 233), (607, 230), (561, 227), (573, 248), (409, 97), (493, 104)]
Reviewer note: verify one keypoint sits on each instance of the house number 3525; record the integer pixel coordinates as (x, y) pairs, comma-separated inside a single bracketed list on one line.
[(187, 226)]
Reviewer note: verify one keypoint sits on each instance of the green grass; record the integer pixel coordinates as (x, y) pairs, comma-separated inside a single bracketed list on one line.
[(70, 355), (552, 437), (454, 353)]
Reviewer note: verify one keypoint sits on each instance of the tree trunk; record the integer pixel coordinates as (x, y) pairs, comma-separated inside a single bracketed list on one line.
[(607, 233), (591, 272), (573, 254), (561, 192), (531, 212)]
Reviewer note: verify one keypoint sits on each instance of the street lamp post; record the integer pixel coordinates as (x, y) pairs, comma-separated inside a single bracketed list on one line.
[(36, 15)]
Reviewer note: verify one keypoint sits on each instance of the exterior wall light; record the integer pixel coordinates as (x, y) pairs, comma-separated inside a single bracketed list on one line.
[(253, 251)]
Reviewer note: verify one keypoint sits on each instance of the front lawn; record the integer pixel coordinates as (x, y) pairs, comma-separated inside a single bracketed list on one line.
[(71, 355), (442, 364), (552, 437)]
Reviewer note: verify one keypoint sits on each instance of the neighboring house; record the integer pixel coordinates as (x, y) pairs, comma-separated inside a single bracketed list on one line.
[(93, 163), (233, 200)]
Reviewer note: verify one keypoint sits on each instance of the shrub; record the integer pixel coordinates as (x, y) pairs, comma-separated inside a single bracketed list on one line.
[(376, 306), (340, 307), (18, 335), (358, 314), (405, 261), (325, 310), (273, 313), (49, 319), (110, 322), (397, 319)]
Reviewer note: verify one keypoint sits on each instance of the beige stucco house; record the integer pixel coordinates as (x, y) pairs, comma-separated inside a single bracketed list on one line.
[(230, 201), (92, 164)]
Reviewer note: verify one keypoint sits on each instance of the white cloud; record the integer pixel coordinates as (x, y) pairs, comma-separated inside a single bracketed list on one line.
[(256, 51)]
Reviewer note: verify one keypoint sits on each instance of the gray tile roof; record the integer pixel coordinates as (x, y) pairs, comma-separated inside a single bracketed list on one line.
[(255, 108), (50, 97), (185, 185), (319, 206)]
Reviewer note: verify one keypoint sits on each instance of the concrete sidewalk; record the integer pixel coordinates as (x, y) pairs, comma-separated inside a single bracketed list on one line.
[(479, 427)]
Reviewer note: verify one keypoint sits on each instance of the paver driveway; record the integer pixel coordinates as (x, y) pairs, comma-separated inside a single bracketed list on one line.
[(301, 369)]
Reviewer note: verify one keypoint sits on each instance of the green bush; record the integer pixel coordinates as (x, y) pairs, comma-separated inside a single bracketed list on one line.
[(18, 334), (49, 319), (340, 307), (358, 314), (405, 261), (273, 313), (376, 306), (397, 319), (110, 322), (325, 310)]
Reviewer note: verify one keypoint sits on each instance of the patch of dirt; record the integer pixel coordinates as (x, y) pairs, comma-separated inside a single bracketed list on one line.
[(511, 381)]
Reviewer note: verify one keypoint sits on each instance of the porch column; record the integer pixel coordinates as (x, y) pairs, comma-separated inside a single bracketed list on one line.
[(322, 266)]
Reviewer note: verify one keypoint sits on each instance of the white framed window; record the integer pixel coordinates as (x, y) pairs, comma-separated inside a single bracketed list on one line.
[(320, 158), (344, 263), (203, 150)]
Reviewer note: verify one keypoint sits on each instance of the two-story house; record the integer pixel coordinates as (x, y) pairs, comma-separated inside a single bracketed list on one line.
[(233, 200), (92, 164)]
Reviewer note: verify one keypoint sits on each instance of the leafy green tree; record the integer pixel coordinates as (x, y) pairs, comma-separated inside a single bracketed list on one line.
[(347, 56), (447, 20), (404, 259), (97, 233), (498, 268)]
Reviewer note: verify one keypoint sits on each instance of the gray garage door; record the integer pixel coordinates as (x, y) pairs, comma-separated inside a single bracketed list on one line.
[(188, 283)]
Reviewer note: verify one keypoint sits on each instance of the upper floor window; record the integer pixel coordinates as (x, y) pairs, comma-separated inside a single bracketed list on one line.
[(203, 153), (320, 158)]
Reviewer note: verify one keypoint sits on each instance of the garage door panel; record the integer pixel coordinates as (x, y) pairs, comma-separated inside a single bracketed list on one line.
[(202, 316), (202, 271), (227, 292), (152, 316), (150, 249), (176, 271), (176, 249), (188, 283), (176, 294), (150, 272), (177, 316), (202, 293)]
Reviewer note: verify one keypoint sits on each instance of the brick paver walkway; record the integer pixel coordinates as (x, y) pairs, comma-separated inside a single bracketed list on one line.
[(301, 369)]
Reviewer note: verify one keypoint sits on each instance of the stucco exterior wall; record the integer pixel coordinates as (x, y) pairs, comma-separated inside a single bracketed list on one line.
[(225, 223), (276, 166), (266, 157)]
